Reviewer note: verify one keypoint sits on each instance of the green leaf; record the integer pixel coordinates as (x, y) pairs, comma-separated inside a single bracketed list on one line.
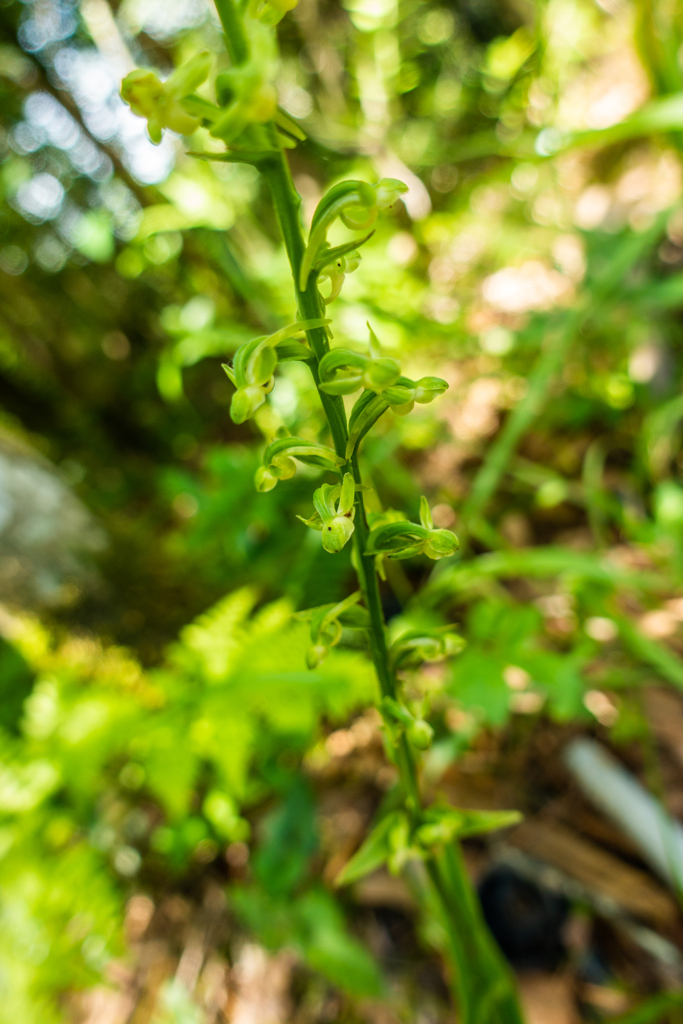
[(446, 824), (374, 851), (330, 949), (664, 114), (652, 1011)]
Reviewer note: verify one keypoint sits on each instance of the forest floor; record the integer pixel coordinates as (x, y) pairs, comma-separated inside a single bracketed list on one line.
[(589, 929)]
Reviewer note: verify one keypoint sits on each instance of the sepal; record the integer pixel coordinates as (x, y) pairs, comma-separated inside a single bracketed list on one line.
[(429, 388), (278, 460), (418, 732), (289, 350), (246, 401)]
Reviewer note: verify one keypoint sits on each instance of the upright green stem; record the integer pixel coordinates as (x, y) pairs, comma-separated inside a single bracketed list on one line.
[(484, 985), (235, 37), (287, 202)]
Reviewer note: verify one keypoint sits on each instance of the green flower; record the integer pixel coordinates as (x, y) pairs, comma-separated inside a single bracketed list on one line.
[(162, 102), (342, 372), (253, 368), (336, 270), (356, 204), (334, 513), (403, 539), (278, 460)]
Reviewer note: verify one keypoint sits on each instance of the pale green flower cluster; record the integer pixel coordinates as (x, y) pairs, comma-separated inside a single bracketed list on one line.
[(245, 94)]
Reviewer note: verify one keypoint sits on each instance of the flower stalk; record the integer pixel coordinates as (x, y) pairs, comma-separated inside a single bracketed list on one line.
[(255, 131), (483, 982)]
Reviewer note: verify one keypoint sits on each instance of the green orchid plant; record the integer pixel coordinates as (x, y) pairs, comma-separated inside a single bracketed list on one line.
[(245, 115)]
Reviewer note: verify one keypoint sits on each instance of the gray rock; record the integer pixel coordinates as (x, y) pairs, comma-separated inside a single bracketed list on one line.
[(47, 536)]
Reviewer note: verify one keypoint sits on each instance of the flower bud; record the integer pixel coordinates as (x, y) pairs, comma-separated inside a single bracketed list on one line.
[(245, 402), (429, 388), (420, 734), (336, 532), (161, 102), (283, 467), (441, 544), (142, 91), (387, 191), (264, 479), (315, 655)]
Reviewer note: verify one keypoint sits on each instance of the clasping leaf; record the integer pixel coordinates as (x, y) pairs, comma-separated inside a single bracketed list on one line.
[(444, 824)]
